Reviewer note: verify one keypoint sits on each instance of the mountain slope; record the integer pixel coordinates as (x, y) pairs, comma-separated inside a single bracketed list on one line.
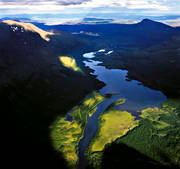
[(23, 48), (28, 27), (35, 88), (121, 35), (151, 56)]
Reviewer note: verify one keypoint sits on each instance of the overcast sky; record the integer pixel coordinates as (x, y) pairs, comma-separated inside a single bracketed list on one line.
[(67, 10)]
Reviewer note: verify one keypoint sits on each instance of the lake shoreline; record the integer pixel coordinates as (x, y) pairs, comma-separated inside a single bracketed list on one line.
[(95, 65)]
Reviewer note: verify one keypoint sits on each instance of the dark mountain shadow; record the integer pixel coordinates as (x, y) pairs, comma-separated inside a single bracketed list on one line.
[(143, 34), (27, 116), (119, 156), (27, 146), (35, 89)]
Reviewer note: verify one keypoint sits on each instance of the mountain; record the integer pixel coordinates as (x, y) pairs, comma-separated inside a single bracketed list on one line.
[(121, 35), (96, 21), (146, 49), (152, 44), (21, 27), (153, 24), (35, 88), (30, 46), (178, 28), (150, 51)]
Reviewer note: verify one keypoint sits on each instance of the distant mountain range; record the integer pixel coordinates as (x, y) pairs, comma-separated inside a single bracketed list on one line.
[(145, 33), (84, 21), (96, 21), (120, 34)]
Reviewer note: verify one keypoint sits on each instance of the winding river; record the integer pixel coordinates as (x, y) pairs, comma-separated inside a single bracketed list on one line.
[(137, 97)]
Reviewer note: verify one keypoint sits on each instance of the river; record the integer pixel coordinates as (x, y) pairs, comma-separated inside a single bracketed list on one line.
[(137, 97)]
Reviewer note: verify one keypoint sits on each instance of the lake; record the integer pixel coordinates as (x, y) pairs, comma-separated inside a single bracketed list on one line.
[(137, 97)]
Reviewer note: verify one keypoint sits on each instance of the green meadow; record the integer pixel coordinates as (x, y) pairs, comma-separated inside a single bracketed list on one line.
[(158, 133), (157, 128), (112, 125)]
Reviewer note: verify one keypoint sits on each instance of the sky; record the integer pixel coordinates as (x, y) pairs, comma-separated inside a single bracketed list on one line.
[(73, 11)]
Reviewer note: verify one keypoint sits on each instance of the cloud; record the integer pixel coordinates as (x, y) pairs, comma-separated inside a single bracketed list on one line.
[(71, 2), (133, 4), (172, 22), (55, 6), (129, 4), (43, 2), (57, 21), (129, 7)]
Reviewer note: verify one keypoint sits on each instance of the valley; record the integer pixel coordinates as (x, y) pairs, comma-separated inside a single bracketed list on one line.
[(115, 117), (92, 95)]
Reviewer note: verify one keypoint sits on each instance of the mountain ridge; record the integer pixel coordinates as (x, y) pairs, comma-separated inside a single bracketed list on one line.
[(85, 21), (35, 88), (29, 27)]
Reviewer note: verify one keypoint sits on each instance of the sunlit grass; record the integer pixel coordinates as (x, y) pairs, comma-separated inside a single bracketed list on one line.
[(157, 128), (66, 135), (158, 134), (93, 101), (117, 102), (69, 63), (154, 114), (87, 107), (92, 112), (31, 27), (113, 124)]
